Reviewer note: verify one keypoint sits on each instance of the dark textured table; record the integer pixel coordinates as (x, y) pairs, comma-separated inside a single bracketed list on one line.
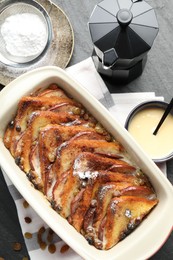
[(157, 76)]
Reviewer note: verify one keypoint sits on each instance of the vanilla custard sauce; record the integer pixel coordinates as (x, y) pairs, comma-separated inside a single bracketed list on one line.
[(142, 126)]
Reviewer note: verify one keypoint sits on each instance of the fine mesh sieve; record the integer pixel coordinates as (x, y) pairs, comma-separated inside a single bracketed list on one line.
[(13, 8)]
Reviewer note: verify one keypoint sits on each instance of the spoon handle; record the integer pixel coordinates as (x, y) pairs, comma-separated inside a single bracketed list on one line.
[(168, 109)]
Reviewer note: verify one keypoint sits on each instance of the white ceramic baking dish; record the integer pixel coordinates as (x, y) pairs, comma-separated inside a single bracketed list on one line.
[(152, 232)]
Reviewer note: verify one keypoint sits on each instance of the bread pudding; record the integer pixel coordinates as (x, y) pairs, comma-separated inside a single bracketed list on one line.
[(84, 172)]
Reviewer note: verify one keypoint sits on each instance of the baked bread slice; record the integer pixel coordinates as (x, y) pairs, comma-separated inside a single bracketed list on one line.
[(51, 138), (123, 215), (27, 105), (67, 153), (83, 209), (67, 200), (81, 212), (97, 215), (78, 197), (26, 144), (69, 150), (99, 161)]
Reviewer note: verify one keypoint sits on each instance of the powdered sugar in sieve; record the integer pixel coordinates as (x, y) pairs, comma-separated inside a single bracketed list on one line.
[(25, 33)]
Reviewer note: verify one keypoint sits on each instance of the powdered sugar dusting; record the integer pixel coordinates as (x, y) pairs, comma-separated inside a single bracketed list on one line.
[(86, 174), (24, 34)]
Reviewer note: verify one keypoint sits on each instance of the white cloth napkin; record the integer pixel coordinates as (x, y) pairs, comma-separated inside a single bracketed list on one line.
[(119, 105)]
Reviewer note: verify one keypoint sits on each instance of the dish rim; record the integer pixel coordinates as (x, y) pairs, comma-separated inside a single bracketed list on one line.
[(43, 76)]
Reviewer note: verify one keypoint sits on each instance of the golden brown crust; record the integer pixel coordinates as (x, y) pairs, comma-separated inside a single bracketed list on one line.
[(39, 119), (27, 105), (122, 213), (52, 91), (51, 138), (68, 152)]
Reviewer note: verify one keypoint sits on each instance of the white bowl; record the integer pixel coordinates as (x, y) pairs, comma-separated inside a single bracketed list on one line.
[(152, 232), (149, 104)]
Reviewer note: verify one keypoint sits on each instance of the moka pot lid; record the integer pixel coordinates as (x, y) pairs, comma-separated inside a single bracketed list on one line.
[(122, 29)]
